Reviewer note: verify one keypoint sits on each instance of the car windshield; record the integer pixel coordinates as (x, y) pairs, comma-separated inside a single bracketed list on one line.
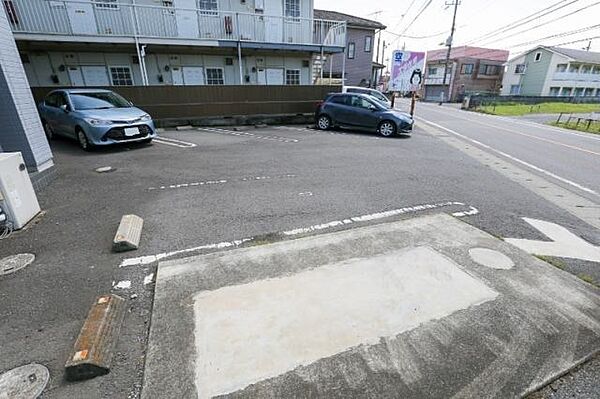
[(98, 100), (378, 96)]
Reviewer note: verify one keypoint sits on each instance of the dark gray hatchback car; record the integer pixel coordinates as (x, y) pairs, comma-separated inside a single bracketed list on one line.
[(361, 112)]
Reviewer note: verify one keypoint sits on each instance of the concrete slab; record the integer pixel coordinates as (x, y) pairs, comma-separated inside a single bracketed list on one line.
[(391, 310)]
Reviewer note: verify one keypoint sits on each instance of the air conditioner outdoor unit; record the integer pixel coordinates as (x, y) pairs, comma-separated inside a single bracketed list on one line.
[(17, 198)]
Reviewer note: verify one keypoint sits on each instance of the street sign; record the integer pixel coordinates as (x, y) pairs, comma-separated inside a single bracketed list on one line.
[(407, 70)]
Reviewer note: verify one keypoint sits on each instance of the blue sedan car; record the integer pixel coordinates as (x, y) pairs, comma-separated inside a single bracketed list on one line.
[(362, 112), (94, 117)]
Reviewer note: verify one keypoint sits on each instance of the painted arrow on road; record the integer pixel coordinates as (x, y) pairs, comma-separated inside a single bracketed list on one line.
[(564, 244)]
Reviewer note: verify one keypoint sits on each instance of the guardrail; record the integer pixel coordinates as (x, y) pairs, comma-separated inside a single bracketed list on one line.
[(108, 18)]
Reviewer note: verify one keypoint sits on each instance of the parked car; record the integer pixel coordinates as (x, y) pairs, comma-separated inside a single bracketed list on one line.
[(94, 117), (361, 111), (379, 96)]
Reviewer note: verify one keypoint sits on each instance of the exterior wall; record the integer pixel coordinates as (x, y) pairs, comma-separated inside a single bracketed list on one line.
[(160, 67), (510, 77), (537, 72), (360, 69), (21, 127)]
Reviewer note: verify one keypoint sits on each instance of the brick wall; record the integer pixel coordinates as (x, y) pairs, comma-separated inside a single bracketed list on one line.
[(21, 127)]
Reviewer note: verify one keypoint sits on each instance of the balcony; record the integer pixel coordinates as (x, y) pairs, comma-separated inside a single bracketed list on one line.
[(113, 21), (576, 77)]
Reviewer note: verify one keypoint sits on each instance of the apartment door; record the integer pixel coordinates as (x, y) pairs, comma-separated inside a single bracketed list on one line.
[(177, 76), (75, 76), (261, 77), (275, 76), (81, 18), (95, 76), (273, 21), (193, 75), (187, 19)]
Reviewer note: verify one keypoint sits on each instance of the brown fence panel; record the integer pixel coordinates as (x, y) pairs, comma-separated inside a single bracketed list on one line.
[(166, 102)]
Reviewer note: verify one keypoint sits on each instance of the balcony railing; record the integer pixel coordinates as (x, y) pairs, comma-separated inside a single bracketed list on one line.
[(577, 77), (112, 19)]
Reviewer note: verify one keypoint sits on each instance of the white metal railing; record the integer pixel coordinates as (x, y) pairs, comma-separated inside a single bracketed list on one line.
[(104, 18), (577, 76)]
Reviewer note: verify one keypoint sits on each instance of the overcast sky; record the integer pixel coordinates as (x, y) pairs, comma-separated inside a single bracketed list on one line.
[(476, 18)]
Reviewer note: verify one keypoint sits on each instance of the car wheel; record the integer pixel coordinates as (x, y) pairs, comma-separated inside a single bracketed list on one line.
[(84, 143), (387, 129), (48, 131), (324, 122)]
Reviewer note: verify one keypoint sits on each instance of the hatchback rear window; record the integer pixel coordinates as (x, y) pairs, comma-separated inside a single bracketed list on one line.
[(339, 99)]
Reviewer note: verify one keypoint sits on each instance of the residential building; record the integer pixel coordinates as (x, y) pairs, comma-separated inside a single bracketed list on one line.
[(361, 49), (553, 71), (470, 70), (170, 42), (21, 126)]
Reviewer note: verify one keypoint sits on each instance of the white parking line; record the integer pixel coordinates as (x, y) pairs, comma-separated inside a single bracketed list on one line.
[(536, 168), (148, 259), (248, 134), (316, 131), (219, 181), (174, 142)]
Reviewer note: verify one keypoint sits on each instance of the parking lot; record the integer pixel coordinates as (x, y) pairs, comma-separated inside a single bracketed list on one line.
[(204, 189)]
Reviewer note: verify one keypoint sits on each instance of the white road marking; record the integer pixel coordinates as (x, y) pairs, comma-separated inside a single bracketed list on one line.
[(306, 194), (148, 259), (248, 134), (122, 285), (149, 279), (491, 258), (252, 332), (529, 165), (174, 142), (145, 260), (219, 181), (564, 244)]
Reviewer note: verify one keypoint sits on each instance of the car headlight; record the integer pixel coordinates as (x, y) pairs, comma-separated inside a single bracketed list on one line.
[(146, 117), (98, 122)]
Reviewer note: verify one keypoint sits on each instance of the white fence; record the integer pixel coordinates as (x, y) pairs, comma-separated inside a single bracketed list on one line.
[(96, 18)]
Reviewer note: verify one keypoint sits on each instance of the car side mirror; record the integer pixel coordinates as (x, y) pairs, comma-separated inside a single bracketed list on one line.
[(372, 108), (65, 108)]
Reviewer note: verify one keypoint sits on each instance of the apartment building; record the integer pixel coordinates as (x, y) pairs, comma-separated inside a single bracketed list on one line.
[(357, 63), (553, 71), (470, 70), (170, 42)]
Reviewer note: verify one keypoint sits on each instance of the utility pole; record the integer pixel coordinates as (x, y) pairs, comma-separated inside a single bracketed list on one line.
[(374, 83), (454, 3)]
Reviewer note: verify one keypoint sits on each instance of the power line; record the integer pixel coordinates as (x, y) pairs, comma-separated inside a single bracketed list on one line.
[(562, 34), (542, 24), (416, 37), (427, 3), (405, 13), (521, 21)]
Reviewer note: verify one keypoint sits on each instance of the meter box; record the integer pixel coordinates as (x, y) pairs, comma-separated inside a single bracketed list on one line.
[(17, 197)]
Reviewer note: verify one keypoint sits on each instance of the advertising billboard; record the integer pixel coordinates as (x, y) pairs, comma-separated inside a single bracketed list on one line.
[(408, 70)]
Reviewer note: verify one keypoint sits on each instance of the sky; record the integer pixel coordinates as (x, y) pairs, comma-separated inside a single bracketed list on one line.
[(475, 19)]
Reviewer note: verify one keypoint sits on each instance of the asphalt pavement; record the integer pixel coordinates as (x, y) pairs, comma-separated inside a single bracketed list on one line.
[(205, 190)]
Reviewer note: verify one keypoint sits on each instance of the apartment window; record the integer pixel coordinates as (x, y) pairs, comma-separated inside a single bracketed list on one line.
[(208, 7), (538, 57), (490, 70), (554, 91), (520, 68), (566, 91), (466, 69), (586, 69), (515, 90), (292, 8), (597, 92), (596, 70), (214, 76), (121, 76), (431, 71), (368, 43), (574, 68), (107, 4), (292, 77), (351, 50), (578, 92), (589, 92), (561, 68)]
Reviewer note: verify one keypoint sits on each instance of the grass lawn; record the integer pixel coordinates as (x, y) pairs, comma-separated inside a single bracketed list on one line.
[(512, 109), (594, 127)]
